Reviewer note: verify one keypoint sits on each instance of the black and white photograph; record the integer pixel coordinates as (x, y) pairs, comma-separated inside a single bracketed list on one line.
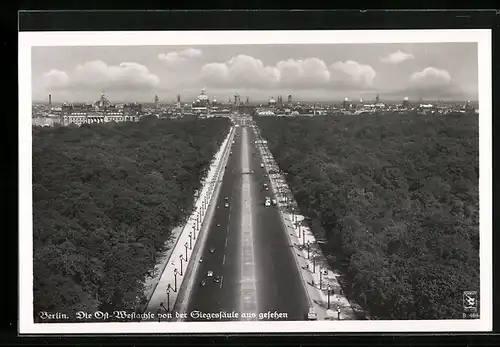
[(246, 181)]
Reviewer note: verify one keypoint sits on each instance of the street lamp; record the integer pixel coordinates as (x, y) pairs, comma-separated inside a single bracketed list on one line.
[(329, 289), (308, 249), (303, 236), (321, 278), (186, 247), (190, 240), (175, 280), (181, 257), (168, 297), (314, 263), (194, 231)]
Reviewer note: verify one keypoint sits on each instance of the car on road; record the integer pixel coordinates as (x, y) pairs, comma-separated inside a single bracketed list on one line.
[(212, 250), (312, 315), (266, 186), (210, 274), (274, 202), (226, 204), (226, 198), (261, 164), (203, 283), (267, 202), (216, 279)]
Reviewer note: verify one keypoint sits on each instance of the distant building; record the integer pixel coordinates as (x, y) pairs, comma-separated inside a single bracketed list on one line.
[(102, 103), (75, 113), (201, 104), (272, 102), (264, 112), (237, 100), (178, 105), (345, 103), (406, 103), (101, 111), (44, 121), (290, 98), (469, 108), (132, 110)]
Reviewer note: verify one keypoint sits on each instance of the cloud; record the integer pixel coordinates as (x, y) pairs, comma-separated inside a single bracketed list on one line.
[(243, 71), (56, 78), (180, 56), (433, 83), (430, 77), (352, 74), (311, 72), (98, 75), (396, 57)]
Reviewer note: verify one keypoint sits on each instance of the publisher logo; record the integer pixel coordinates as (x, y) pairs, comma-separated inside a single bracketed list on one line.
[(470, 301)]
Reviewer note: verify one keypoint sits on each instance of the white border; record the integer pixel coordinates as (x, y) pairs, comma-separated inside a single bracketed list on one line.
[(31, 39)]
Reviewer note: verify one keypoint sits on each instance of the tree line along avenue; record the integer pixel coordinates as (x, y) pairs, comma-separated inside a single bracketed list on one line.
[(396, 199), (106, 198)]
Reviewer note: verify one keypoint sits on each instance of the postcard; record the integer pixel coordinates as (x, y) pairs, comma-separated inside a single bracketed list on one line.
[(255, 181)]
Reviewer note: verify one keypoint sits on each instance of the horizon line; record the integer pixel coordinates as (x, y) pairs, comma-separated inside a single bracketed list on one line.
[(357, 101)]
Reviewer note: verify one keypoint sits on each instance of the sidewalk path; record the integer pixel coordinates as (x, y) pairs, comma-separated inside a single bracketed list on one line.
[(315, 270), (163, 295)]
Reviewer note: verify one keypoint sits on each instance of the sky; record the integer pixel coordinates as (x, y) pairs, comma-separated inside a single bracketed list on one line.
[(309, 72)]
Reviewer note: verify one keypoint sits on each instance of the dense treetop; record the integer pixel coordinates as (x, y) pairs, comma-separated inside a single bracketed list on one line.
[(397, 198), (106, 198)]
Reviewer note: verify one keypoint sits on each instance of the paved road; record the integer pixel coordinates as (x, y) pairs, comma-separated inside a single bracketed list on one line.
[(277, 282), (280, 286), (223, 236)]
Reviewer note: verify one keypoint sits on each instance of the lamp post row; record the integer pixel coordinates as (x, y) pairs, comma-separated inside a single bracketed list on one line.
[(192, 236)]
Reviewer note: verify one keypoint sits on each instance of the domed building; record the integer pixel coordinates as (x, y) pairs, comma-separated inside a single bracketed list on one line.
[(345, 103), (201, 104), (105, 111), (202, 99), (406, 103), (272, 102), (102, 103)]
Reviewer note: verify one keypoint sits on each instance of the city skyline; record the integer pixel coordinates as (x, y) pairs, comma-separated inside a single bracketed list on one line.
[(319, 72)]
